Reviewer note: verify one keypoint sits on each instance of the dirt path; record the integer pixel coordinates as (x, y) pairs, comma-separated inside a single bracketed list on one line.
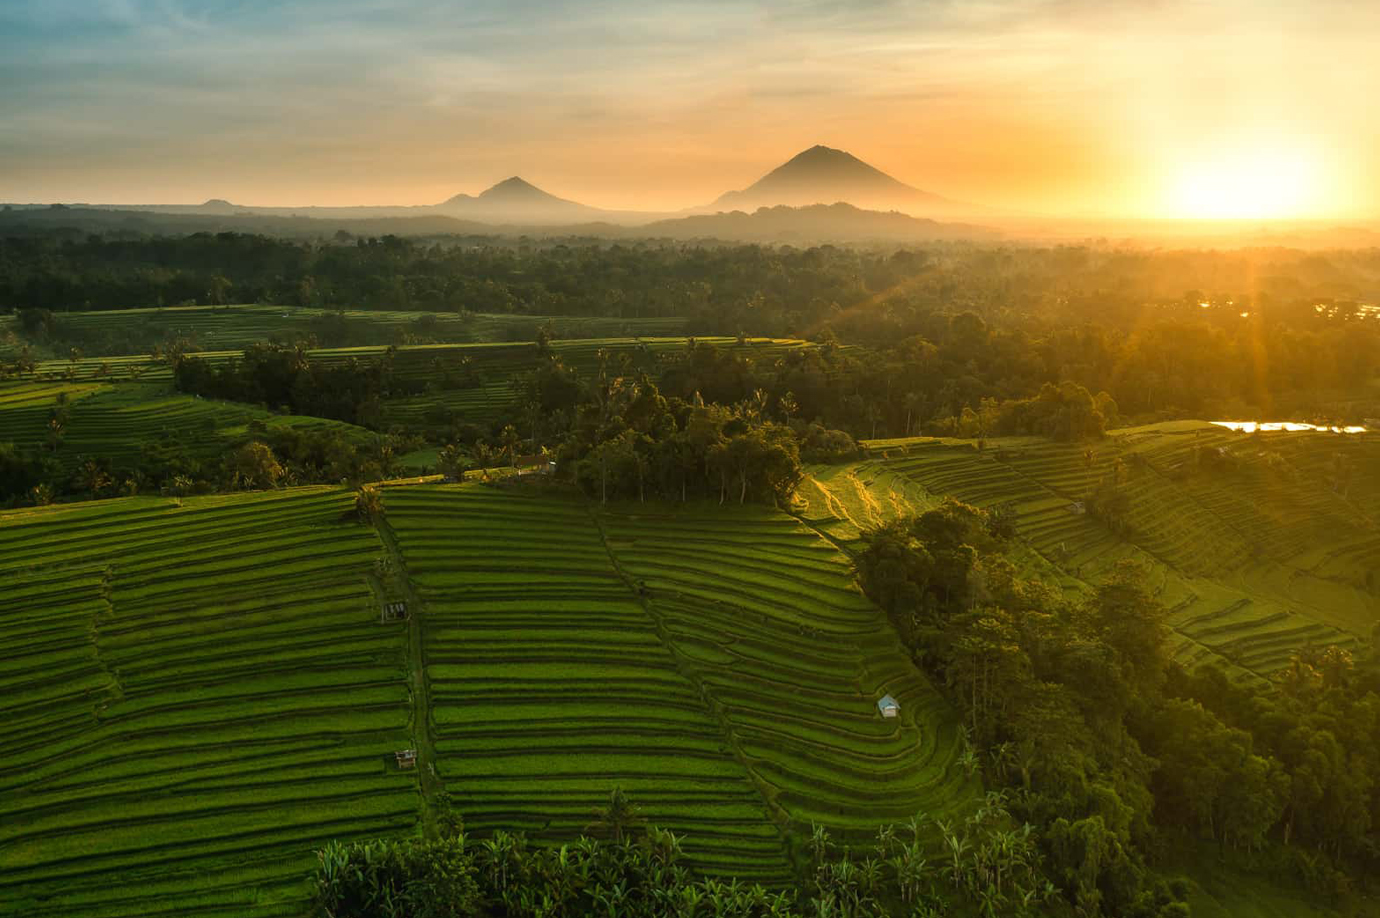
[(429, 781), (688, 672)]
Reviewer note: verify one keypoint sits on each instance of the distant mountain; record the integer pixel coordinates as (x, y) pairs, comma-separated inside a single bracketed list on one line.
[(510, 202), (822, 175), (814, 224), (517, 201)]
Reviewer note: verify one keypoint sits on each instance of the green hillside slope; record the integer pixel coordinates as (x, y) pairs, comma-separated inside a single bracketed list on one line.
[(199, 695), (193, 699), (115, 421), (135, 331), (1260, 544)]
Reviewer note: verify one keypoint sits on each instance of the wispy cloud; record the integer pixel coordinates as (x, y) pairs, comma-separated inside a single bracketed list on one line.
[(647, 102)]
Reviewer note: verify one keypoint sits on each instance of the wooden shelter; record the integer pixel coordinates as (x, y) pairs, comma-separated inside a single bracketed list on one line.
[(406, 758), (395, 611), (888, 706)]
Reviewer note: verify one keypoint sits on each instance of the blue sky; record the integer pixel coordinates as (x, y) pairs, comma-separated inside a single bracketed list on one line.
[(1052, 104)]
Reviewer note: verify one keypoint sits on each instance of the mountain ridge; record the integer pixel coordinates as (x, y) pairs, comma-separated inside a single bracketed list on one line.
[(818, 175), (825, 175)]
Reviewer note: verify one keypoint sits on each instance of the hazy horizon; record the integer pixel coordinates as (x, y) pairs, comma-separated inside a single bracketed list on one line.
[(1140, 109)]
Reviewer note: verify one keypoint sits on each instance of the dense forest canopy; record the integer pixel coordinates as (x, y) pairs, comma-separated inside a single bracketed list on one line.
[(759, 289), (1112, 750), (1165, 334), (950, 340)]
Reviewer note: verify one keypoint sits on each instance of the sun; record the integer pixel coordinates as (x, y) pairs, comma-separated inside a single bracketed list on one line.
[(1249, 183)]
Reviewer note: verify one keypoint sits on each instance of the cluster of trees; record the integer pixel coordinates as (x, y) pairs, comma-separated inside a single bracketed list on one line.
[(621, 868), (619, 437), (281, 376), (985, 864), (269, 456), (629, 441), (1312, 747), (970, 380), (1108, 748)]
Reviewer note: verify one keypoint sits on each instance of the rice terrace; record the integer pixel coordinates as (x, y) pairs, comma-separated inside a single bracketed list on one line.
[(202, 690), (610, 460)]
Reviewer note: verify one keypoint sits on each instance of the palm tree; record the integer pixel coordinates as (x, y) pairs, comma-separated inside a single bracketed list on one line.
[(1002, 755), (969, 760), (819, 843), (886, 837), (620, 817), (369, 503), (958, 847), (788, 405), (663, 845), (510, 439), (913, 402), (874, 415), (93, 478)]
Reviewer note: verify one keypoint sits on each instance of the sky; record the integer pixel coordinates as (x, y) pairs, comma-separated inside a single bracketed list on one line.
[(1165, 108)]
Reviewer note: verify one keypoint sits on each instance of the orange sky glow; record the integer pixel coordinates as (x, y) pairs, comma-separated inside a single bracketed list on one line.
[(1254, 109)]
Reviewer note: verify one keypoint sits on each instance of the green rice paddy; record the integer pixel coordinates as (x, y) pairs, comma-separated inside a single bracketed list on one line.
[(1260, 544), (194, 698), (198, 696), (125, 331), (115, 421), (485, 376)]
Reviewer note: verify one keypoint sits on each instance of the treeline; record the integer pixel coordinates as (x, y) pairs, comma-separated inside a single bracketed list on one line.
[(936, 335), (625, 868), (631, 442), (871, 295), (279, 376), (614, 434), (626, 280), (1111, 751), (267, 456)]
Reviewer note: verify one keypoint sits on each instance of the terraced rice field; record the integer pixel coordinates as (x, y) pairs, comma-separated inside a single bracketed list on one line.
[(733, 698), (115, 421), (764, 616), (194, 699), (221, 327), (490, 370), (1255, 560), (842, 501), (550, 685), (196, 696)]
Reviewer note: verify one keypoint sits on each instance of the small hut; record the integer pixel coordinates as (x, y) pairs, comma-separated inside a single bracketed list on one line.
[(888, 706), (407, 758), (393, 611), (1077, 508)]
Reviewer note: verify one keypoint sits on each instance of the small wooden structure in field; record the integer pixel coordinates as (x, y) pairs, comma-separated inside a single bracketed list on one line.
[(1077, 508), (888, 706), (395, 611), (406, 758)]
